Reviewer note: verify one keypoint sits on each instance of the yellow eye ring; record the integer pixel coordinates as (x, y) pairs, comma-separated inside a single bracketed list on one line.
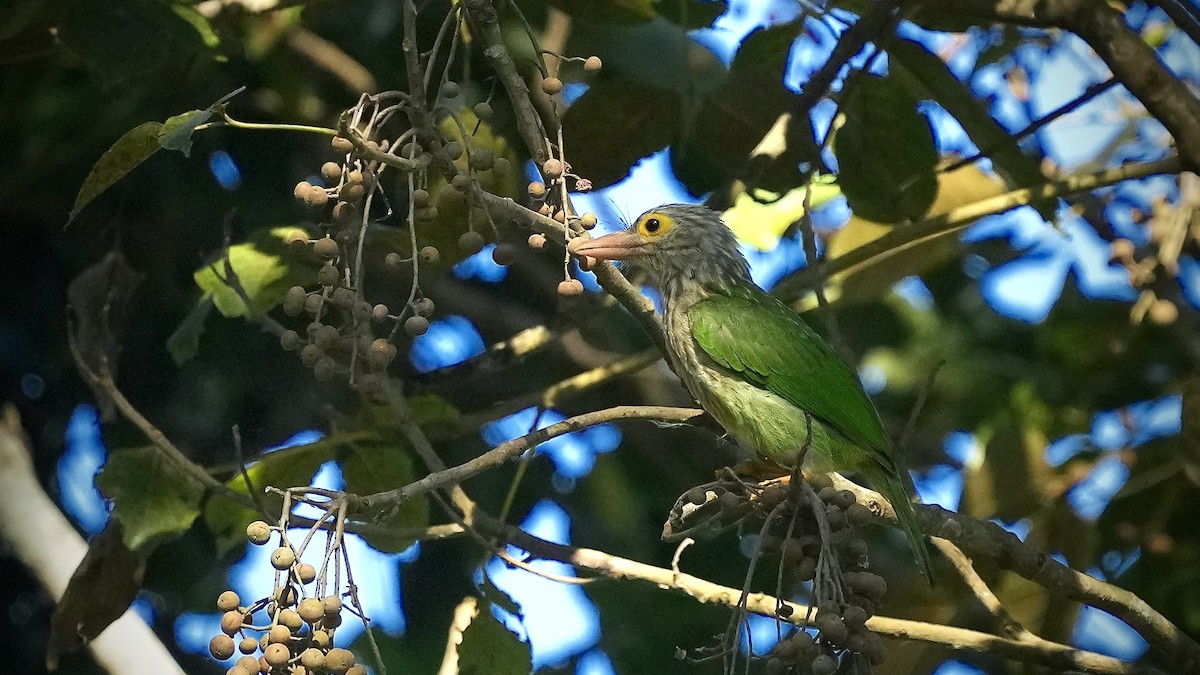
[(654, 225)]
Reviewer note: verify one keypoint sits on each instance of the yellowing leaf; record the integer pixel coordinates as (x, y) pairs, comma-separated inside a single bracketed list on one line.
[(762, 224)]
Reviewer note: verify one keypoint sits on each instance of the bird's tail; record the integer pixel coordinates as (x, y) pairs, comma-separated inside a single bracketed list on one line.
[(895, 489)]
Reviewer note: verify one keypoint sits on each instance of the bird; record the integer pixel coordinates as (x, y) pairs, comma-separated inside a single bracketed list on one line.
[(753, 363)]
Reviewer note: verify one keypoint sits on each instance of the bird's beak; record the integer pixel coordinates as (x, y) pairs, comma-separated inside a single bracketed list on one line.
[(615, 246)]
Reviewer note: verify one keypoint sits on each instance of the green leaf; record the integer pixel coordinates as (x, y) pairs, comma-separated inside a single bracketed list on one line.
[(263, 268), (615, 124), (926, 75), (184, 343), (285, 468), (762, 224), (200, 24), (130, 150), (488, 648), (376, 466), (885, 151), (176, 132), (736, 116), (153, 497)]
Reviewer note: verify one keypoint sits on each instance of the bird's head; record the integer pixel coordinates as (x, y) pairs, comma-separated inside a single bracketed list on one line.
[(674, 242)]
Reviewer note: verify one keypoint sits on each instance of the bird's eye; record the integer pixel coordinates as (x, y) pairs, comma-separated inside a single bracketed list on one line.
[(653, 225)]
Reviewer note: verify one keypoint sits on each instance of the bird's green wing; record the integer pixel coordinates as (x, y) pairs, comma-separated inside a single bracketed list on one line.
[(761, 339)]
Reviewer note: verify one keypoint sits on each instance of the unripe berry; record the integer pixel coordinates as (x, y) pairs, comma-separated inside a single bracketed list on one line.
[(258, 533), (221, 647), (326, 248), (537, 190), (502, 167), (301, 190), (450, 89), (552, 85), (352, 192), (423, 306), (248, 646), (328, 275), (537, 241), (587, 220), (552, 168), (379, 312), (570, 288), (470, 243), (593, 64), (430, 254), (306, 573), (325, 370), (313, 659), (277, 655), (312, 303), (311, 610), (317, 197), (321, 639), (341, 144), (452, 150), (482, 110), (279, 635), (332, 605), (231, 622), (482, 159), (291, 620), (504, 254), (461, 182), (331, 171), (344, 212), (416, 326), (282, 558), (1163, 312), (297, 240), (339, 660), (420, 197), (228, 600)]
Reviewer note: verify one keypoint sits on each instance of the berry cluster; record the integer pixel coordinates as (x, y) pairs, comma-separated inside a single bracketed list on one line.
[(296, 635), (812, 530)]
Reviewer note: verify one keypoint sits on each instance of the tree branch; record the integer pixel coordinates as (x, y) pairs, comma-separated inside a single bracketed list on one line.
[(988, 540), (514, 448), (1036, 650)]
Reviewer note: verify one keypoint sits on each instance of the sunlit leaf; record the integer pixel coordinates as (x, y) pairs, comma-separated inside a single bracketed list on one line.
[(761, 224), (153, 497), (264, 268), (284, 468), (176, 132), (885, 151), (488, 648)]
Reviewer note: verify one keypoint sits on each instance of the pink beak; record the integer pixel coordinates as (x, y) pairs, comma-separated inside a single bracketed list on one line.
[(615, 246)]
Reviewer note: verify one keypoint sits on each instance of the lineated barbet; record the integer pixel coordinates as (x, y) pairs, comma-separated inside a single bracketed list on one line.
[(751, 361)]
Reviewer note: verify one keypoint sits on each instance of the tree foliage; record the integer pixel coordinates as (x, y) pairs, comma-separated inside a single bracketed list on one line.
[(416, 171)]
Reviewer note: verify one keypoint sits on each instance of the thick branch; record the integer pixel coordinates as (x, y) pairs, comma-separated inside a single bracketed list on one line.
[(1058, 656), (35, 532), (901, 238), (1131, 60), (514, 448), (988, 540), (529, 123)]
